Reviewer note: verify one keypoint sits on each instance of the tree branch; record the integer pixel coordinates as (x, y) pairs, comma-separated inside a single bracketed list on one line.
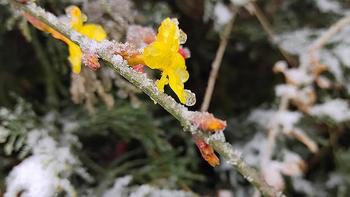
[(254, 8), (334, 29), (181, 113), (315, 47), (216, 63)]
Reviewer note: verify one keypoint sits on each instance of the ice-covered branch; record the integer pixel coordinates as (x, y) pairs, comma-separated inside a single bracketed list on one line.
[(185, 117)]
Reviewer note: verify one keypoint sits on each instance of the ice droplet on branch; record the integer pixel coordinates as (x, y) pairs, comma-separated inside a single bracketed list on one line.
[(190, 98)]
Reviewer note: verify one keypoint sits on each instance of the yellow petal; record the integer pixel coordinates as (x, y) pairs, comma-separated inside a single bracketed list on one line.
[(162, 82), (95, 32), (177, 86), (177, 61), (157, 56), (44, 27), (135, 60), (75, 55), (169, 33), (77, 18)]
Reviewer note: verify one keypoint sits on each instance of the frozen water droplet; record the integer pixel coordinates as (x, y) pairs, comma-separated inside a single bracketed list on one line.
[(175, 21), (232, 162), (190, 98), (154, 101), (248, 178), (182, 37)]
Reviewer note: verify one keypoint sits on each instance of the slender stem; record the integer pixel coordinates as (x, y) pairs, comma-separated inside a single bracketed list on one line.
[(216, 63), (269, 30), (102, 49), (335, 28), (273, 132), (324, 38)]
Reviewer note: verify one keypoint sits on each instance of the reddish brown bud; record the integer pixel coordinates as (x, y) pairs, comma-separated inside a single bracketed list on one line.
[(207, 152), (139, 68), (184, 52), (129, 53), (91, 60), (207, 122)]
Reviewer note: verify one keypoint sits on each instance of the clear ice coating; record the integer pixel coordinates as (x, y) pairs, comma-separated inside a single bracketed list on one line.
[(175, 21), (190, 98), (182, 37)]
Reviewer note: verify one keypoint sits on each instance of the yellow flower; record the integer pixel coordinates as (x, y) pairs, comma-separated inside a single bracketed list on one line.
[(163, 55), (92, 31), (77, 19)]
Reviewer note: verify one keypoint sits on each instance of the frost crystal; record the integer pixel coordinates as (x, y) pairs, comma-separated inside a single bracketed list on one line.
[(217, 136), (32, 178), (222, 14), (4, 133), (240, 2), (296, 42), (117, 60), (280, 66), (333, 64), (252, 150), (334, 180), (46, 171), (286, 120), (298, 76), (328, 6), (336, 109), (261, 117), (121, 189), (268, 118), (272, 175), (342, 51), (305, 186), (286, 90), (292, 163)]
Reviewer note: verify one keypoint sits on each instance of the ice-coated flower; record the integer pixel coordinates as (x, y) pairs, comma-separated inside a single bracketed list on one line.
[(92, 31), (163, 54), (77, 19)]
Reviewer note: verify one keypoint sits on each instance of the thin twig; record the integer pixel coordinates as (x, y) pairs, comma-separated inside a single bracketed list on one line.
[(325, 37), (269, 30), (216, 63), (148, 87), (273, 132)]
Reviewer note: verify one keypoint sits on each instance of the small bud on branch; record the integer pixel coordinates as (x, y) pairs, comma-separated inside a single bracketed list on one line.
[(207, 122), (207, 152)]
